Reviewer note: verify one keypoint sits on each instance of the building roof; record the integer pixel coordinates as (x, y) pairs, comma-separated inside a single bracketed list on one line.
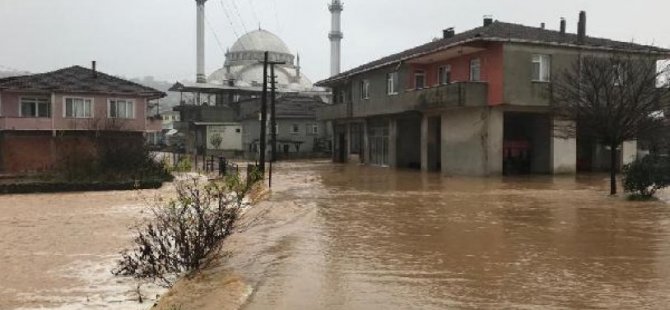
[(287, 106), (501, 32), (78, 79)]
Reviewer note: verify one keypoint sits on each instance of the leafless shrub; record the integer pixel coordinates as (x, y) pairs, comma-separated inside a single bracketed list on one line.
[(612, 99), (184, 234)]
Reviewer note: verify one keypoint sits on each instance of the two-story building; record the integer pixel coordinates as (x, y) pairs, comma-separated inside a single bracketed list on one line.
[(470, 103), (42, 116)]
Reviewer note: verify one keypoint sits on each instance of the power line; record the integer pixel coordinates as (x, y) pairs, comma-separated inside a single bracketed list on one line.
[(253, 10), (230, 20), (218, 42), (237, 10)]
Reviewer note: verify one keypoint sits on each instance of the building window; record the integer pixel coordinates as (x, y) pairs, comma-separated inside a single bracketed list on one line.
[(35, 107), (419, 80), (392, 83), (444, 75), (365, 89), (313, 129), (78, 108), (541, 68), (295, 129), (121, 108), (475, 70), (342, 96)]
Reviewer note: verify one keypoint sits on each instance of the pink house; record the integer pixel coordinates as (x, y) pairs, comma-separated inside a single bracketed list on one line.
[(44, 114)]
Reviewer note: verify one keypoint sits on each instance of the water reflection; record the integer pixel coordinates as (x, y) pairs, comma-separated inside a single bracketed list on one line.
[(374, 238)]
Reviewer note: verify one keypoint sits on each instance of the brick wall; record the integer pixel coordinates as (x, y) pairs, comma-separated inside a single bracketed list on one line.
[(38, 151)]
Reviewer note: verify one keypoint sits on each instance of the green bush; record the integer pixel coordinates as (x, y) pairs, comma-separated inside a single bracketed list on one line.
[(645, 176), (183, 165)]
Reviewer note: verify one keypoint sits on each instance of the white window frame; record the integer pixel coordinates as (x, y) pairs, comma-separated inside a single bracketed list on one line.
[(132, 103), (544, 63), (419, 73), (475, 63), (442, 78), (313, 129), (92, 100), (365, 89), (37, 107), (391, 80)]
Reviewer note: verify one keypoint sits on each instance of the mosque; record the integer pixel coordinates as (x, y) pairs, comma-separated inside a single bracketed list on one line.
[(219, 113)]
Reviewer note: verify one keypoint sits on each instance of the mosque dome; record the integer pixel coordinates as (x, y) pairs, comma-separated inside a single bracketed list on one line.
[(260, 40), (243, 67)]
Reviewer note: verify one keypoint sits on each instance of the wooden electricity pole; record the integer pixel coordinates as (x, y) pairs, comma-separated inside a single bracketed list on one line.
[(273, 116), (264, 115)]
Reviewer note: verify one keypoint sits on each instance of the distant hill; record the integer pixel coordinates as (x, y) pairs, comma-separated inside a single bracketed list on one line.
[(9, 72), (167, 103)]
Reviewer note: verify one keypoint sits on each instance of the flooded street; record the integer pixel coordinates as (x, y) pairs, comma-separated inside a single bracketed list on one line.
[(354, 237), (57, 250)]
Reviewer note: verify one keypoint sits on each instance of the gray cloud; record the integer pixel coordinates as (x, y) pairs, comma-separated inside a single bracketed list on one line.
[(157, 37)]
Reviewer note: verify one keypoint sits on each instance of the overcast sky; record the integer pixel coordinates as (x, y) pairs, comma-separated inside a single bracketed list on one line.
[(136, 38)]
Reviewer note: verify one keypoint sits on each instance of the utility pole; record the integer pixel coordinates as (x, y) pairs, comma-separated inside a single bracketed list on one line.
[(273, 116), (264, 114)]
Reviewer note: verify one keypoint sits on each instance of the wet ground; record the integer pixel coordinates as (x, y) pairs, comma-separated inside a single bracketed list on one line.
[(354, 237)]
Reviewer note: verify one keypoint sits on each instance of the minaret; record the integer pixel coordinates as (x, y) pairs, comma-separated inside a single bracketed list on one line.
[(200, 44), (297, 67), (335, 36)]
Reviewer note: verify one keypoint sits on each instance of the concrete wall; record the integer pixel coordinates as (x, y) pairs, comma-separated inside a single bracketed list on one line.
[(563, 148), (472, 142), (519, 88), (35, 151)]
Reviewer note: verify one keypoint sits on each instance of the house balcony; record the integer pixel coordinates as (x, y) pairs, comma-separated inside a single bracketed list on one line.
[(460, 94), (332, 112), (25, 123)]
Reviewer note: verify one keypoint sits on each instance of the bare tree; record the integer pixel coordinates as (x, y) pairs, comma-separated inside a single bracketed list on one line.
[(612, 99)]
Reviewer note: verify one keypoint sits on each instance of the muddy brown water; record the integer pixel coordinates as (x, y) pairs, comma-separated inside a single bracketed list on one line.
[(354, 237)]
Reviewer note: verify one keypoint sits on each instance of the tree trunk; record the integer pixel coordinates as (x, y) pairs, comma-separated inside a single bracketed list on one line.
[(613, 168)]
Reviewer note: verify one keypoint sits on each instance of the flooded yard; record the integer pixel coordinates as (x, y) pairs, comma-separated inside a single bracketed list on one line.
[(57, 250), (355, 237)]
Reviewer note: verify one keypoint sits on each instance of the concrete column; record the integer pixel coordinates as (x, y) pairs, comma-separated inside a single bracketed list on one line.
[(495, 137), (393, 143), (563, 148), (628, 152), (366, 143), (424, 143), (472, 142), (348, 146), (333, 140)]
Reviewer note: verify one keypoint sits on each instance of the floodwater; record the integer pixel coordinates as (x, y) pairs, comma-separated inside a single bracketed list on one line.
[(354, 237), (57, 250)]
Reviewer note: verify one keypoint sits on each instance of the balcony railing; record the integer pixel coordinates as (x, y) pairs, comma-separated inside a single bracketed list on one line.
[(443, 96)]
